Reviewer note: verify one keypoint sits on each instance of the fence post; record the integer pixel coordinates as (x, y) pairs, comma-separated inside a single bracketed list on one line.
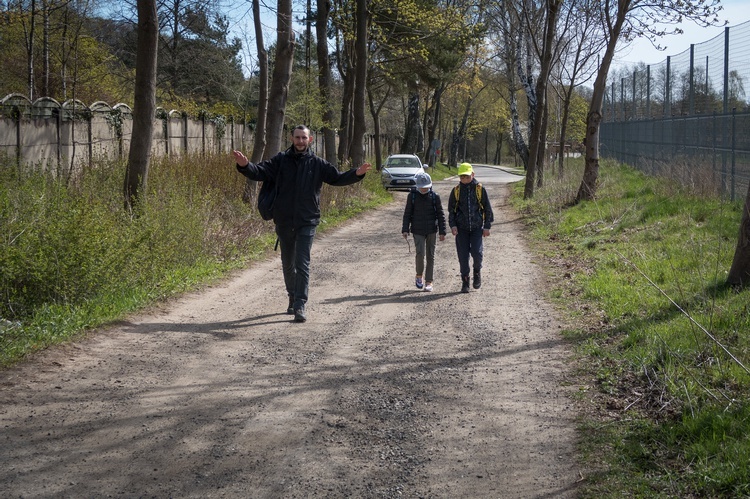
[(667, 93), (90, 131), (648, 92), (16, 113), (58, 136), (724, 125), (635, 105), (726, 69), (691, 82), (185, 134), (734, 142)]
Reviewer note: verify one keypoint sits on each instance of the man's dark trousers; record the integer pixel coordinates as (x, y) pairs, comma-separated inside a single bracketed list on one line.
[(295, 247)]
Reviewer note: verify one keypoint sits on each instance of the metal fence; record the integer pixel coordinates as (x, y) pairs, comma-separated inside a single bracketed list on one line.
[(687, 116)]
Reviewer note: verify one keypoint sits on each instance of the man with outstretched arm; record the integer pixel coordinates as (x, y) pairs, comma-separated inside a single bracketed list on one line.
[(299, 175)]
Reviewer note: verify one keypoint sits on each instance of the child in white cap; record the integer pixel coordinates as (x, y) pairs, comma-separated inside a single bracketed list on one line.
[(425, 219)]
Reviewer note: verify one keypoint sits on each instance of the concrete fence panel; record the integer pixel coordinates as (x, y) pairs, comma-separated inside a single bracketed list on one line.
[(65, 137)]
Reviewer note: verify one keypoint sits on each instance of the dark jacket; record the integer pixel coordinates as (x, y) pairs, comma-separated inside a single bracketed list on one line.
[(299, 178), (423, 214), (468, 213)]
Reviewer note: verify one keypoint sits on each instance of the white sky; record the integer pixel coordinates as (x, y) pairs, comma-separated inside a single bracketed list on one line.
[(734, 11)]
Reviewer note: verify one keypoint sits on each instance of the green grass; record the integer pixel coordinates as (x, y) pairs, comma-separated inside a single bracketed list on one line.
[(639, 274), (72, 259)]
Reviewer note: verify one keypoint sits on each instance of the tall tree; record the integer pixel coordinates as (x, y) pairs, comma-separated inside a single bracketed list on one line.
[(282, 73), (628, 19), (325, 79), (343, 22), (144, 104), (259, 137), (259, 144), (581, 43), (538, 139), (29, 29), (511, 24), (360, 84)]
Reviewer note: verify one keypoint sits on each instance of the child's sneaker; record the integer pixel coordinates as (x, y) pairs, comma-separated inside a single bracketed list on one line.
[(428, 286), (418, 282)]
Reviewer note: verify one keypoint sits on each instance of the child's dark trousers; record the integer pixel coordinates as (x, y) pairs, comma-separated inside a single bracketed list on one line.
[(469, 243)]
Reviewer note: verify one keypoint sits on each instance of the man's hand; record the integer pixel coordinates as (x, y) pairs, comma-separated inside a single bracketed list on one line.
[(485, 232), (363, 169), (454, 231), (405, 234), (240, 158), (442, 237)]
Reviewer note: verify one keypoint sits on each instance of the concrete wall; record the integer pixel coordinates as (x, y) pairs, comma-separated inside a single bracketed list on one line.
[(65, 137)]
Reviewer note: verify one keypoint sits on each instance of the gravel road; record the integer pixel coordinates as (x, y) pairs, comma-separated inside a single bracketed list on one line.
[(386, 391)]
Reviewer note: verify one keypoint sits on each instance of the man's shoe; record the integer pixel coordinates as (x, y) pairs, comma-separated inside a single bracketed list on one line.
[(477, 279), (428, 286), (465, 284), (418, 282), (290, 308), (299, 315)]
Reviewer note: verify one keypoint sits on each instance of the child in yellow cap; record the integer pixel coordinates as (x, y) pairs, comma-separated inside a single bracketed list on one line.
[(470, 218)]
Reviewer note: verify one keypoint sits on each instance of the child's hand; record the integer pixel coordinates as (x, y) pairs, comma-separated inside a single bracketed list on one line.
[(486, 232)]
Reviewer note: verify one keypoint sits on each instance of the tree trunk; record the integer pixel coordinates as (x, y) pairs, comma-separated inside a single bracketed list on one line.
[(564, 130), (30, 35), (45, 49), (360, 85), (375, 113), (517, 135), (346, 110), (739, 273), (259, 139), (325, 80), (144, 103), (455, 141), (587, 189), (536, 149), (413, 127), (282, 73), (432, 124), (542, 153)]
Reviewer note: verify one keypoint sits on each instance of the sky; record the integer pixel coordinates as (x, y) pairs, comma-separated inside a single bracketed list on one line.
[(734, 11)]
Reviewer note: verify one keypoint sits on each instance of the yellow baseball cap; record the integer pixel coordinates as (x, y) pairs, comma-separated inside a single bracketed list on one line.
[(465, 169)]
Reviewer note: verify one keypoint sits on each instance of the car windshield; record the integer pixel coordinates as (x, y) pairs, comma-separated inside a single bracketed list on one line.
[(404, 162)]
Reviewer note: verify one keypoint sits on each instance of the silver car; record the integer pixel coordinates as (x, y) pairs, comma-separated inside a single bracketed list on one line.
[(400, 171)]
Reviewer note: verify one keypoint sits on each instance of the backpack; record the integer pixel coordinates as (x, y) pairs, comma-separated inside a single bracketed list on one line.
[(266, 197), (457, 189)]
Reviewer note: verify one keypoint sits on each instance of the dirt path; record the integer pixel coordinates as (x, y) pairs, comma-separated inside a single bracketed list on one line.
[(385, 391)]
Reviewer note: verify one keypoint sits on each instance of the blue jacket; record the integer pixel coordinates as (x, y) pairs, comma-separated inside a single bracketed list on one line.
[(299, 178)]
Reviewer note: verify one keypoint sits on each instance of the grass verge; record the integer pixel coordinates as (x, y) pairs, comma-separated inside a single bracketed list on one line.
[(661, 342)]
